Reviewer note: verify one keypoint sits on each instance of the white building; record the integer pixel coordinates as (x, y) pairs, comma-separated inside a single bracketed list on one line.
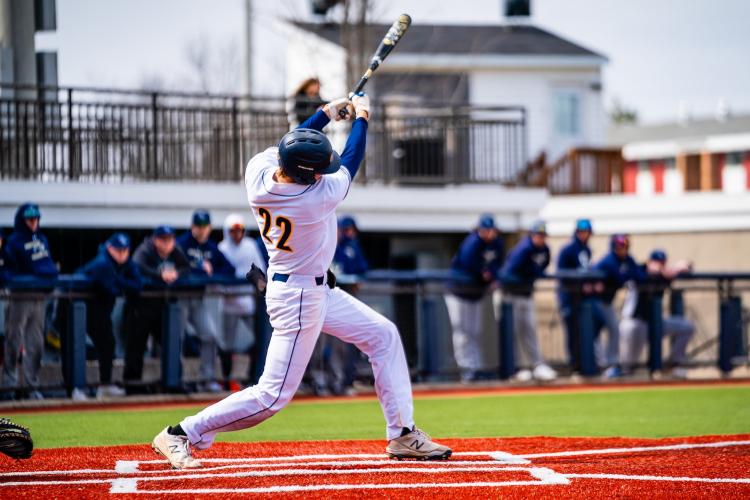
[(555, 80)]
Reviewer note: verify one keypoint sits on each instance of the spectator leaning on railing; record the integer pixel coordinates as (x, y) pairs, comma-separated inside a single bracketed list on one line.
[(476, 266), (525, 263), (242, 252), (205, 260), (618, 268), (112, 274), (26, 255), (636, 315), (575, 256), (161, 263)]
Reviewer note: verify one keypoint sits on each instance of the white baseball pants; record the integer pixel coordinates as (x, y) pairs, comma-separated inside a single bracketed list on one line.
[(299, 310)]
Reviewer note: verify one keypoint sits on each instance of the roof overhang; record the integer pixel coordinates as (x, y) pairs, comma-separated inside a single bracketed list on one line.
[(647, 150), (454, 62)]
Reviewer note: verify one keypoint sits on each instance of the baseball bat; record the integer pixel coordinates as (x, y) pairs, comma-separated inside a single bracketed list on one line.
[(391, 38)]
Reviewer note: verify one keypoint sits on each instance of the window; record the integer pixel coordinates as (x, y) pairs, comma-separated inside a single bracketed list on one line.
[(567, 113)]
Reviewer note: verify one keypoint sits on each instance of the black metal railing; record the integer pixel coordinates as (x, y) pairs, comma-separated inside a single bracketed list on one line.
[(103, 135)]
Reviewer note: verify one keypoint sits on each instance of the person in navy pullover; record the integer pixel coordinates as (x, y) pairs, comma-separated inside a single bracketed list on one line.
[(26, 255), (349, 256), (575, 256), (618, 268), (206, 260), (525, 263), (112, 274), (476, 267)]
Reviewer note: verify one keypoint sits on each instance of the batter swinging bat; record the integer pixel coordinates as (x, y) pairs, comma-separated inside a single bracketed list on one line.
[(395, 33)]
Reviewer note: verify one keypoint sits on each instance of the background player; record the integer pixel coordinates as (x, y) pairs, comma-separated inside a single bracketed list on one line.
[(294, 191)]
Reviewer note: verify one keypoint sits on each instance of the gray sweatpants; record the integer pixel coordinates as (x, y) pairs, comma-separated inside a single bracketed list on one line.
[(608, 354), (524, 329), (25, 329), (466, 321), (634, 336), (197, 314)]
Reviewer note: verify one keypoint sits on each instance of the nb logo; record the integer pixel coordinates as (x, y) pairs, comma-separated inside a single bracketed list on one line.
[(416, 444), (173, 448)]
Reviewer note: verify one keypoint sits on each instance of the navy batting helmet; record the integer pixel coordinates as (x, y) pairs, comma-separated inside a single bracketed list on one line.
[(304, 152)]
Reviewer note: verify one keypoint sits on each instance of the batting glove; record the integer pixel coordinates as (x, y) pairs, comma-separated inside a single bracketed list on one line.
[(361, 103), (333, 108)]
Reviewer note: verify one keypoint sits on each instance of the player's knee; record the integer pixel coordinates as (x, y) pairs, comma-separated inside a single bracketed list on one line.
[(389, 336)]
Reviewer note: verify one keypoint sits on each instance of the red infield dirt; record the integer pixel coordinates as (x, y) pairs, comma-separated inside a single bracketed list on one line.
[(708, 466)]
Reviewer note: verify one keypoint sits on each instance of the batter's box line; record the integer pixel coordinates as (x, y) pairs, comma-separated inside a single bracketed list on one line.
[(133, 466), (543, 475)]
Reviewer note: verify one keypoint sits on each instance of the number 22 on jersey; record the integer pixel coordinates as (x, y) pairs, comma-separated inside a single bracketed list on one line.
[(282, 222)]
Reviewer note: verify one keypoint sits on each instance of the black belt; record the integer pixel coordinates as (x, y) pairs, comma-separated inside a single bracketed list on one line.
[(319, 280)]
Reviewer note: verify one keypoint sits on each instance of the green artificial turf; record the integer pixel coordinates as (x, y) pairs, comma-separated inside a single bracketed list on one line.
[(650, 412)]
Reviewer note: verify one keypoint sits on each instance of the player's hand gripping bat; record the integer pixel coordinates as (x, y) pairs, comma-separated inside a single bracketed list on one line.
[(395, 33)]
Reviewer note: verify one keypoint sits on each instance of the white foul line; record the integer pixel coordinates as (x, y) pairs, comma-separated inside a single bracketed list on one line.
[(606, 451), (660, 478)]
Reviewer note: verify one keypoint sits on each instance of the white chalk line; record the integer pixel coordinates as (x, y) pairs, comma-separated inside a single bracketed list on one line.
[(283, 472), (676, 479), (640, 449), (331, 463)]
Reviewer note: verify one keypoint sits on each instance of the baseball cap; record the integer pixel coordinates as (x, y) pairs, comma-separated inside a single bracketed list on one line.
[(163, 230), (234, 221), (120, 241), (658, 255), (347, 221), (201, 218), (486, 221), (538, 227), (32, 212), (583, 225)]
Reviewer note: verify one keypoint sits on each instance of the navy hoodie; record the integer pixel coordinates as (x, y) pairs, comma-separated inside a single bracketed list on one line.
[(27, 253), (196, 253), (150, 264), (526, 262), (349, 256), (618, 272), (111, 279), (575, 256), (475, 257)]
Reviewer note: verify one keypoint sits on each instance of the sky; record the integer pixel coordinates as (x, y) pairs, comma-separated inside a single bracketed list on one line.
[(665, 56)]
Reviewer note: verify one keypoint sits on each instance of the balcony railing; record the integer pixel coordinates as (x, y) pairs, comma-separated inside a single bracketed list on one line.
[(102, 135)]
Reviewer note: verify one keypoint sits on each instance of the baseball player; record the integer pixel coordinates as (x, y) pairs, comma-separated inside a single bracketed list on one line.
[(294, 190)]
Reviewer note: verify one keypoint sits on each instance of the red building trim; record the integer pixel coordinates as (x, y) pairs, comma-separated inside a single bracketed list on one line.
[(629, 173), (657, 168)]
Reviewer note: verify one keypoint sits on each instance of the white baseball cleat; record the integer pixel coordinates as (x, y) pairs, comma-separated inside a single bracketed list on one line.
[(417, 445), (176, 449), (544, 373)]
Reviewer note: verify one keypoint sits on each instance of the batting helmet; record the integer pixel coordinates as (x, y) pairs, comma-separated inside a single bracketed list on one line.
[(304, 152)]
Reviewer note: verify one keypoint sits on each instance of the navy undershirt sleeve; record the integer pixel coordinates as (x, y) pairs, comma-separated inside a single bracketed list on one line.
[(354, 151)]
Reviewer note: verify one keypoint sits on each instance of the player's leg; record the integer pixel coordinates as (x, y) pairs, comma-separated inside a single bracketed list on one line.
[(633, 336), (681, 330), (354, 322), (34, 346), (465, 317), (296, 316)]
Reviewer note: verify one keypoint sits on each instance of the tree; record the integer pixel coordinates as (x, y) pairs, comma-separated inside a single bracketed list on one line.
[(619, 114)]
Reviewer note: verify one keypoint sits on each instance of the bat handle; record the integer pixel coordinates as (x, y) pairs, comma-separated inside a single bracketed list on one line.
[(343, 113)]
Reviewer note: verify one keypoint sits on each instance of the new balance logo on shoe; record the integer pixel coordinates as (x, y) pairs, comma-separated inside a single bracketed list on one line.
[(173, 448), (416, 444)]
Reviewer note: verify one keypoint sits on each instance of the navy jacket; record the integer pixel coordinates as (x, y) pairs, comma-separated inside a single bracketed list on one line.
[(653, 285), (150, 264), (473, 259), (196, 253), (3, 268), (110, 279), (349, 256), (618, 272), (575, 256), (27, 253), (526, 262)]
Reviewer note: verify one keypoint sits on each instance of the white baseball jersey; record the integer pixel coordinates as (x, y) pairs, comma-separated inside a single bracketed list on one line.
[(297, 223)]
